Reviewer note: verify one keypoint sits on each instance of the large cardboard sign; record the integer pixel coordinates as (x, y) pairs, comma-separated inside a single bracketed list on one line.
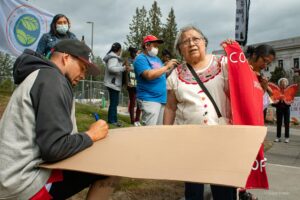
[(206, 154)]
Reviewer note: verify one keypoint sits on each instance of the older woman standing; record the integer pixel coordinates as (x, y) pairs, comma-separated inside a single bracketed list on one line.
[(188, 104), (283, 112)]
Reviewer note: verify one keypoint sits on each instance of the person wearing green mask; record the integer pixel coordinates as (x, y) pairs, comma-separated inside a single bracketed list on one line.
[(59, 30)]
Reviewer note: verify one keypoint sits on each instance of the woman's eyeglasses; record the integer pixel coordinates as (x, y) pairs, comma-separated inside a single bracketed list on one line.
[(266, 60), (195, 40)]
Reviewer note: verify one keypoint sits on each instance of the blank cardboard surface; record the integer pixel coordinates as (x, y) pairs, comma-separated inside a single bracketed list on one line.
[(207, 154)]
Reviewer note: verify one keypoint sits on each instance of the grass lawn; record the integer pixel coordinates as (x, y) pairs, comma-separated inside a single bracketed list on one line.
[(4, 98), (84, 116)]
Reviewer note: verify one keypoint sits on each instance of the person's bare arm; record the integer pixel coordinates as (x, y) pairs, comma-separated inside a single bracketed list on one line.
[(155, 73), (170, 109)]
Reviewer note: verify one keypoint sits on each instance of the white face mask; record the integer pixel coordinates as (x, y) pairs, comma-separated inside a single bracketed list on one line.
[(62, 28), (153, 52)]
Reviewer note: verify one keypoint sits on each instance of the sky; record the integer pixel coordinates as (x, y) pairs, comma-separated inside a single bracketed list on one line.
[(269, 19)]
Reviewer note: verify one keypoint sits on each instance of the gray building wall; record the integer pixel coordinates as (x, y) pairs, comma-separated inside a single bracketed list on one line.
[(287, 55)]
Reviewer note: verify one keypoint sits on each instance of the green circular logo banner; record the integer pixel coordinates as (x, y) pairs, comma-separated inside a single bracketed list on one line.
[(27, 30), (24, 27)]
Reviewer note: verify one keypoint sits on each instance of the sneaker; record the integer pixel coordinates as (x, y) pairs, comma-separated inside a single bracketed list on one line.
[(118, 124), (277, 140), (137, 123), (287, 140)]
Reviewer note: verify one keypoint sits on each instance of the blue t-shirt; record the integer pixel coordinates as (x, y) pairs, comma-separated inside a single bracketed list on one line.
[(150, 90)]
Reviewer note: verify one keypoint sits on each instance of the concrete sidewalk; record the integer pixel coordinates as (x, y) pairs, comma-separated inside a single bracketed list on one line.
[(283, 168)]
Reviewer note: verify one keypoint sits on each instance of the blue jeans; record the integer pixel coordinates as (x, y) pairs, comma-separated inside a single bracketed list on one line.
[(113, 104), (195, 191)]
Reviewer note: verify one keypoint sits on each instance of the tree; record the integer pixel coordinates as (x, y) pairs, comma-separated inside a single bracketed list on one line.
[(154, 19), (6, 64), (138, 28), (98, 61), (134, 29), (170, 32), (144, 23), (277, 74)]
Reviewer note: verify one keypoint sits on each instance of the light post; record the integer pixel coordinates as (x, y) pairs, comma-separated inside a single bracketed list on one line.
[(92, 42), (92, 39)]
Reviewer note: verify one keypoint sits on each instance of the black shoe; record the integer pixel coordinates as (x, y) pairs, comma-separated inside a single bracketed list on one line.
[(246, 196), (118, 124)]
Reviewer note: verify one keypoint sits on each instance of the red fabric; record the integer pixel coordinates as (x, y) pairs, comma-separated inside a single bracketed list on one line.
[(246, 96), (43, 194)]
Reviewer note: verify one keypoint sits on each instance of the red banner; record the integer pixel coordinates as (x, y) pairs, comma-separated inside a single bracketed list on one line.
[(246, 97)]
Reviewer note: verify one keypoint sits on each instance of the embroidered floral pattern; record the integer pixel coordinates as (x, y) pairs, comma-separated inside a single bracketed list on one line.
[(186, 76)]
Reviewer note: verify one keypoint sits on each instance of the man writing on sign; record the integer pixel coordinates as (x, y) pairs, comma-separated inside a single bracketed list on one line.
[(39, 126)]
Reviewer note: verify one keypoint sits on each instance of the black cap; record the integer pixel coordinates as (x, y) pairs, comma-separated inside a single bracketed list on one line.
[(79, 50)]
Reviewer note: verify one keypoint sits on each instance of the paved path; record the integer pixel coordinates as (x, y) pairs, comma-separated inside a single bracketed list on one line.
[(283, 168)]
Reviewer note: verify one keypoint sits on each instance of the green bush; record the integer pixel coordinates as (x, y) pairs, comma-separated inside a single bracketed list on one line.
[(6, 85)]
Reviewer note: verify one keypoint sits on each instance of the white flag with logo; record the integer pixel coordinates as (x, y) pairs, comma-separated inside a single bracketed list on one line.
[(21, 26), (241, 21)]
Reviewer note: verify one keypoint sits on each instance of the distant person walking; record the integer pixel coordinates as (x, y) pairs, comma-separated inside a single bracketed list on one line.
[(59, 30), (113, 80)]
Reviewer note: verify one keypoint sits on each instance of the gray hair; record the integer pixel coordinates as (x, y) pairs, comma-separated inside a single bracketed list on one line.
[(283, 79), (185, 29)]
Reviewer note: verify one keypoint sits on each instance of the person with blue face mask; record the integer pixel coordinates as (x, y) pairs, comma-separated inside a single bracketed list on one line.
[(151, 87), (59, 30)]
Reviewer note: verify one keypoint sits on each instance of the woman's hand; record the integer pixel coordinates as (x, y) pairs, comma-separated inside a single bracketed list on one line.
[(227, 42)]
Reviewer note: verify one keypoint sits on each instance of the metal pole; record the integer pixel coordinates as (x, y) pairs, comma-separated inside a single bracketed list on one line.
[(92, 36), (92, 43), (82, 89)]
